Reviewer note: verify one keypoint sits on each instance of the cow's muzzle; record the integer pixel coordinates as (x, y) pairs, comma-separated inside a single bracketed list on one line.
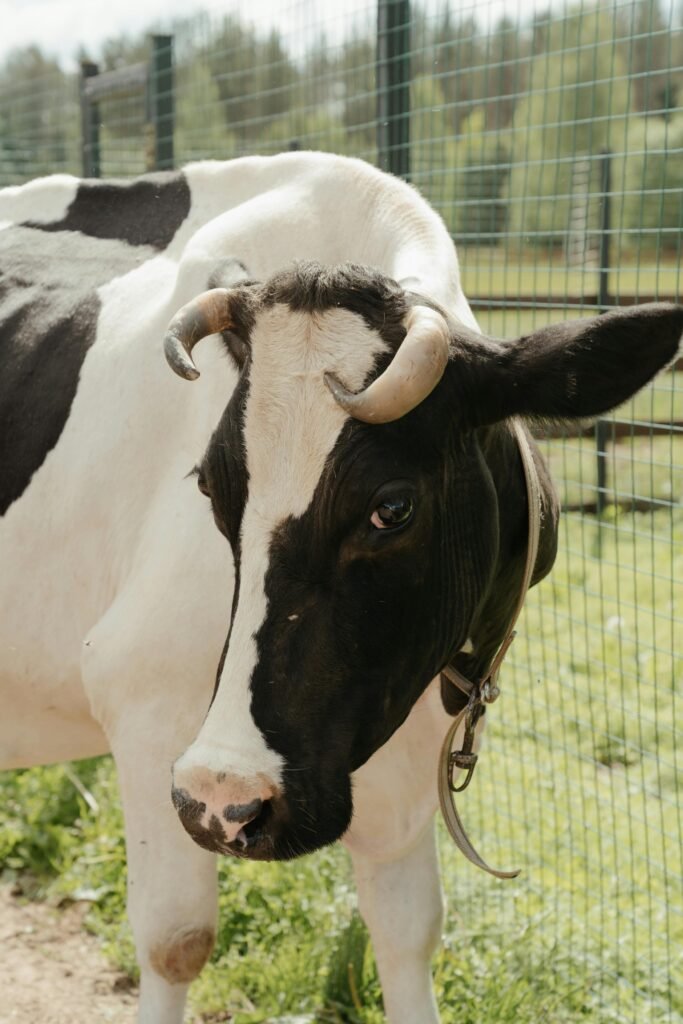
[(225, 813)]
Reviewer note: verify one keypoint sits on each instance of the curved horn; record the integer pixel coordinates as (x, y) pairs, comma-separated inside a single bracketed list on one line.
[(413, 373), (209, 313)]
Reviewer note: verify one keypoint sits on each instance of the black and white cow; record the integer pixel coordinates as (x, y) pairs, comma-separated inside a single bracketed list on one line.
[(350, 436)]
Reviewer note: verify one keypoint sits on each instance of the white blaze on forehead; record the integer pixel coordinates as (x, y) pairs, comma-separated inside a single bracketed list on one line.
[(291, 421), (291, 424)]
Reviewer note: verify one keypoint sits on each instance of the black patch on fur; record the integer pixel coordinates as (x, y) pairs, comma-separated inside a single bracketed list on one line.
[(146, 211), (48, 320)]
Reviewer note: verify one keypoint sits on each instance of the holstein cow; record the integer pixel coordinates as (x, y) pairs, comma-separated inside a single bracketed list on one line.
[(350, 437)]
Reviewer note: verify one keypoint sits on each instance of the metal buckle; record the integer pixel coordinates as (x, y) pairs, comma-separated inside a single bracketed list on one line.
[(458, 759), (490, 691), (465, 758)]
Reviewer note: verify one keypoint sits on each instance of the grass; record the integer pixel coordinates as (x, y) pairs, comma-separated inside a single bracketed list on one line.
[(510, 275), (496, 271), (638, 466), (579, 786)]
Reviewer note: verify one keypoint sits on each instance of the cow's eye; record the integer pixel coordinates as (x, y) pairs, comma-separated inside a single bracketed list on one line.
[(392, 512)]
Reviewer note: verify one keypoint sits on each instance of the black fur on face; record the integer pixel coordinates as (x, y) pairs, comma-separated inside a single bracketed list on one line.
[(359, 619)]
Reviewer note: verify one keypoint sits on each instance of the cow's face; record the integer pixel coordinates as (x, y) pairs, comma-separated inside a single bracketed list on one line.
[(363, 552), (338, 532)]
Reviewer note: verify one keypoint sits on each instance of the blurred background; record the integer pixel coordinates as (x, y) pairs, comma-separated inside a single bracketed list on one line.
[(550, 139)]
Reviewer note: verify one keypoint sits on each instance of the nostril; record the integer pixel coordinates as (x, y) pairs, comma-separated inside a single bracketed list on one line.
[(253, 829), (243, 812)]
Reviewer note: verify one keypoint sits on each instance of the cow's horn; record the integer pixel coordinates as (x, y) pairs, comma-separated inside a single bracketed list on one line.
[(413, 373), (209, 313)]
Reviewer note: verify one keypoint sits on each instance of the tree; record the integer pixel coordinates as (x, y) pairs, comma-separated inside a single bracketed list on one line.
[(484, 158), (577, 105), (39, 116), (254, 75), (357, 75), (434, 165), (650, 214), (200, 129), (649, 55)]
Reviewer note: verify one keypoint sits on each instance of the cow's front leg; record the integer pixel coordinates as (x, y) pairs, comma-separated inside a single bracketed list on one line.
[(172, 893), (391, 841), (400, 901)]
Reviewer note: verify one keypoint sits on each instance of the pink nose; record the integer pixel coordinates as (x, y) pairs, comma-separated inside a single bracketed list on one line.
[(214, 807)]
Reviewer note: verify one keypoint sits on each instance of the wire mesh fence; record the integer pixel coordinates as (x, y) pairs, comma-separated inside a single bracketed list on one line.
[(551, 142)]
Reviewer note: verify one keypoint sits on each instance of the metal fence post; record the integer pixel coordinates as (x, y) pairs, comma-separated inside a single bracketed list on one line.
[(602, 427), (90, 123), (393, 86), (162, 101)]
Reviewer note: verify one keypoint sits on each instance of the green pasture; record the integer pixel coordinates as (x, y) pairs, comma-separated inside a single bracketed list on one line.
[(535, 289), (499, 272), (578, 786), (646, 465)]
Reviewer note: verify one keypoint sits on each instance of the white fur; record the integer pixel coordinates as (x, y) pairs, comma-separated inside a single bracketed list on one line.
[(291, 424), (42, 200), (134, 580)]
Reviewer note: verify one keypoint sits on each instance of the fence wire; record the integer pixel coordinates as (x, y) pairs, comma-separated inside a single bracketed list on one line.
[(551, 142)]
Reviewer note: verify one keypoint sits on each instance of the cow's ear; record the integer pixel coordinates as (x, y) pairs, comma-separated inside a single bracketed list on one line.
[(570, 370)]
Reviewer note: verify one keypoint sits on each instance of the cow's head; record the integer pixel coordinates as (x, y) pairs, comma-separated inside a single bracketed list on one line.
[(352, 474)]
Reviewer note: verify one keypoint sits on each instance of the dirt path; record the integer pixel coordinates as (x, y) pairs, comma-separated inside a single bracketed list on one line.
[(53, 972)]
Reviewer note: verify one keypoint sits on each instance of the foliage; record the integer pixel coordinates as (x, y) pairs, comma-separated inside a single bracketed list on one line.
[(39, 126), (485, 159), (195, 137), (577, 103), (650, 176)]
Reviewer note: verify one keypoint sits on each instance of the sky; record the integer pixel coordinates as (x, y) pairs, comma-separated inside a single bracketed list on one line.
[(58, 27)]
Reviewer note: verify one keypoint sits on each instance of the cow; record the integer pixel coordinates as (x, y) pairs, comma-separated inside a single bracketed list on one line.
[(245, 577)]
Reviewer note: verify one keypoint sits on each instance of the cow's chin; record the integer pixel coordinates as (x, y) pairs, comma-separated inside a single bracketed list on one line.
[(287, 827)]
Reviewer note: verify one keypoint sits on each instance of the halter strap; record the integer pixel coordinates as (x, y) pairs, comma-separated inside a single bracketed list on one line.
[(487, 689)]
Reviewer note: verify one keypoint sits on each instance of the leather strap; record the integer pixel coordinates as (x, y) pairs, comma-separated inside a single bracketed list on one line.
[(487, 689)]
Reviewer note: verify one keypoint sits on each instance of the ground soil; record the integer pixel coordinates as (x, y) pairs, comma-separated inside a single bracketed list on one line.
[(52, 971)]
